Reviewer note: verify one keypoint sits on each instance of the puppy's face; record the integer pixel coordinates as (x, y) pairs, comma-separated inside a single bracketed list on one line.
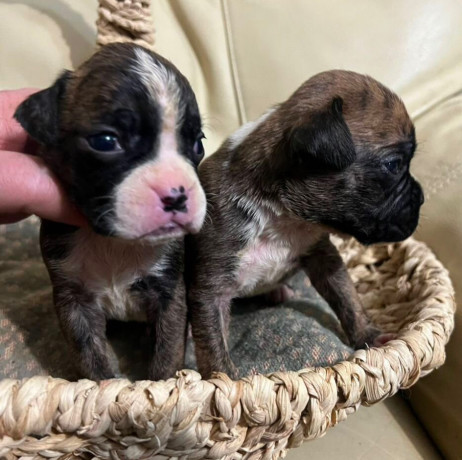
[(123, 133), (344, 160)]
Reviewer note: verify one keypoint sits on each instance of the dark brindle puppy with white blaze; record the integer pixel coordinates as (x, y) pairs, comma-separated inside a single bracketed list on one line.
[(333, 158), (123, 133)]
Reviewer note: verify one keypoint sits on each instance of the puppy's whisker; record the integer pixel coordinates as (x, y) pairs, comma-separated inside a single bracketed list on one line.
[(102, 215), (101, 198)]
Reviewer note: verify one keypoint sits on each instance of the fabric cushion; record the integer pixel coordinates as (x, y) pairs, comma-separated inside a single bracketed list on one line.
[(300, 334)]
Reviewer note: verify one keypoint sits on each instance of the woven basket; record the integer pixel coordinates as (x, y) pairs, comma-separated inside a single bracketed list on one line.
[(404, 288)]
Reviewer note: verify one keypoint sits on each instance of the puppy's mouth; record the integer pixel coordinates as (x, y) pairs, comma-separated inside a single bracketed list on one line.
[(390, 234), (172, 230)]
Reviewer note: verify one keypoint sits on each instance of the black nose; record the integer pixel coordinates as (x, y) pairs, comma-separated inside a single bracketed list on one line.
[(420, 194), (175, 203), (417, 192)]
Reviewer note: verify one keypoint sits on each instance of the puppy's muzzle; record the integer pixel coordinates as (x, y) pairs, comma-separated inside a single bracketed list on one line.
[(159, 199), (400, 215)]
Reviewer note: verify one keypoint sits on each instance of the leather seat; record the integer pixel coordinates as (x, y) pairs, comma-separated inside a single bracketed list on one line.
[(241, 57)]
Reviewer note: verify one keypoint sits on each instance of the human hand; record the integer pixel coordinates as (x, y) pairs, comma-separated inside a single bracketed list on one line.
[(27, 186)]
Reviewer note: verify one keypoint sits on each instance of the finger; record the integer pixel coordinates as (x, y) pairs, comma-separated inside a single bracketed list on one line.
[(12, 218), (12, 136), (28, 187)]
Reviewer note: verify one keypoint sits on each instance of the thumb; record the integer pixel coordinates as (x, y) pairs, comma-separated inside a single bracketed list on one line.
[(28, 187)]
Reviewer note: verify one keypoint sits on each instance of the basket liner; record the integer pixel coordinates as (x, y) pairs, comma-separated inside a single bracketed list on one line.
[(302, 333), (404, 288)]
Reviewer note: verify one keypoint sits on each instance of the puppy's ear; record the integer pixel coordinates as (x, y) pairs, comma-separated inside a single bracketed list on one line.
[(323, 144), (39, 113)]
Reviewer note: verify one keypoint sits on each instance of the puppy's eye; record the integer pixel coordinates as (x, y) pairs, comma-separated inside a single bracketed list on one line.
[(198, 149), (393, 165), (104, 142)]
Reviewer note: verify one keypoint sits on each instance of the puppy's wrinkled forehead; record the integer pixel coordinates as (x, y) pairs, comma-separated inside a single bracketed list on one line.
[(374, 114), (130, 78)]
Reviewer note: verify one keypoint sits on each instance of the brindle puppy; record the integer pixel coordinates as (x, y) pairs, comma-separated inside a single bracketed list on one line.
[(333, 158), (123, 133)]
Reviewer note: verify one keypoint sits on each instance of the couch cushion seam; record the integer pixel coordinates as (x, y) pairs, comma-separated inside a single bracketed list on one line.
[(232, 63)]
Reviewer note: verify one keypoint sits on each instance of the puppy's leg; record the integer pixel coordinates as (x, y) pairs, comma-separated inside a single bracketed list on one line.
[(167, 323), (280, 294), (329, 276), (84, 326), (209, 317)]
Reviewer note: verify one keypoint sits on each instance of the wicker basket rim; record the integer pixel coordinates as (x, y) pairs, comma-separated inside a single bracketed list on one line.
[(257, 417)]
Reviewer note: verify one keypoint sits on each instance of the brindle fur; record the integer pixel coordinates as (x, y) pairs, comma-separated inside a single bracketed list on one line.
[(107, 94), (160, 297), (313, 166)]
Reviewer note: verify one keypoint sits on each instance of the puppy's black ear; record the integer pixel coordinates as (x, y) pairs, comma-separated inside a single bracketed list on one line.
[(323, 144), (39, 113)]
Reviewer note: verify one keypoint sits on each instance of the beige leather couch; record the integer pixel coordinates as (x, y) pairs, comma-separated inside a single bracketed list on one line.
[(244, 55)]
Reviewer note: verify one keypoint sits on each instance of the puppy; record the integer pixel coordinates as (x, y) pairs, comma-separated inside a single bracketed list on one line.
[(123, 134), (333, 158)]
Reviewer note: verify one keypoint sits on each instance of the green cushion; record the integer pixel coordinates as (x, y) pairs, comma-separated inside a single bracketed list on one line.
[(300, 333)]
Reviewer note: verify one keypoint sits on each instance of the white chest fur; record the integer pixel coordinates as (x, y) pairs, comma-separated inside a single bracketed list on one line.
[(273, 254), (107, 268)]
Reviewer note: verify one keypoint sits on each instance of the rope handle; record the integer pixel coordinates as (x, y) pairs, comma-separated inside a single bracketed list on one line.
[(125, 21)]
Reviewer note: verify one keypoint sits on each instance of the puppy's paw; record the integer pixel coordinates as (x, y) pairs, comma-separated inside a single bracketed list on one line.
[(230, 370), (227, 368), (373, 337), (100, 375), (280, 294), (384, 338), (367, 337)]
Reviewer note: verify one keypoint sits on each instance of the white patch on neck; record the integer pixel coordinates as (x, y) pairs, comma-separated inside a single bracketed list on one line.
[(107, 267), (273, 252), (238, 136), (261, 211)]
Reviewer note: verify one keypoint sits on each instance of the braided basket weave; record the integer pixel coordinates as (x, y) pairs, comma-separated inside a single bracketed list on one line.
[(404, 288)]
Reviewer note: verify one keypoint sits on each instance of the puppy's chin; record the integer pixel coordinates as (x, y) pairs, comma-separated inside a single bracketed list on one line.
[(162, 234), (391, 229), (397, 229), (157, 235), (392, 234)]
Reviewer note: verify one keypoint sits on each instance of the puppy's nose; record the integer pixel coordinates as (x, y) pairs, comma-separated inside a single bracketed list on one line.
[(419, 192), (422, 198), (176, 201)]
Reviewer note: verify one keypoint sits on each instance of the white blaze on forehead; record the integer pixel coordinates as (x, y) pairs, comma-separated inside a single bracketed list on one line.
[(161, 83), (163, 88)]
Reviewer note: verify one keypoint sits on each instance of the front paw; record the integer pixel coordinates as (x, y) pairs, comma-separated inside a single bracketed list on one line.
[(366, 337), (384, 338), (99, 375), (372, 337), (225, 366), (231, 370), (280, 294)]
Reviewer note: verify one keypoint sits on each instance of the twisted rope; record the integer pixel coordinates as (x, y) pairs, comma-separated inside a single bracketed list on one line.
[(405, 289), (125, 21)]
